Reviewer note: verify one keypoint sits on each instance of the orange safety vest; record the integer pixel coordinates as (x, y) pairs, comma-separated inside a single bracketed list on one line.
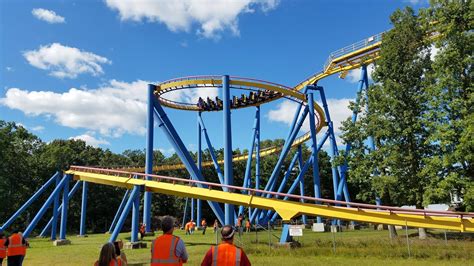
[(3, 249), (247, 224), (226, 255), (163, 251), (15, 246)]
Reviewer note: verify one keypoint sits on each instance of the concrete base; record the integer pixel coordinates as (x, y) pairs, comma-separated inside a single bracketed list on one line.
[(82, 236), (61, 242), (335, 228), (134, 245), (354, 226), (381, 227)]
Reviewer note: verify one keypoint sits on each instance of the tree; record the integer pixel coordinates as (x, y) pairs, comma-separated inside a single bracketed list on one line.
[(395, 119), (451, 108)]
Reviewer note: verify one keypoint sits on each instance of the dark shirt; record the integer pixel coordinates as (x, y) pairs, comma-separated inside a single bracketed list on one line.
[(207, 261)]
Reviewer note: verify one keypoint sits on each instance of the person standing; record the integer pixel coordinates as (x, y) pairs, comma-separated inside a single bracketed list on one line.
[(108, 256), (216, 225), (226, 253), (192, 226), (203, 226), (247, 225), (16, 249), (168, 249), (239, 224), (141, 230), (3, 249)]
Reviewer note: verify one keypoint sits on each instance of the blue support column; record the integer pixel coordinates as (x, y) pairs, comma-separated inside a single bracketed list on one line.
[(50, 223), (192, 209), (149, 157), (212, 152), (170, 132), (248, 167), (185, 211), (119, 211), (199, 165), (82, 230), (43, 208), (135, 216), (63, 228), (28, 202), (312, 126), (54, 221), (124, 214), (228, 173), (257, 150), (300, 166)]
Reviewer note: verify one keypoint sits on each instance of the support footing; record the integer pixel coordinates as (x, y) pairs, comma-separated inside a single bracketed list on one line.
[(134, 245), (61, 242)]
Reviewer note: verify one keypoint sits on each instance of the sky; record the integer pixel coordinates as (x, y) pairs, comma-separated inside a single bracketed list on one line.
[(80, 69)]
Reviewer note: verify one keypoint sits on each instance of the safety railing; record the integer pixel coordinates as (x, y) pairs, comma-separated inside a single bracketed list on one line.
[(251, 191), (353, 47)]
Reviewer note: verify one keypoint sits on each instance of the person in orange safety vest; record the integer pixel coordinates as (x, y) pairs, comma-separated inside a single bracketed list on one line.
[(168, 249), (16, 248), (3, 249), (226, 254)]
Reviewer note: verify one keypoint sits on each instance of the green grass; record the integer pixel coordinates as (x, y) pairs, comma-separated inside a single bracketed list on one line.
[(364, 247)]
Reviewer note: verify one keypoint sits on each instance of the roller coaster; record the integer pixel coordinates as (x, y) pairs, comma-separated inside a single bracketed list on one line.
[(263, 205)]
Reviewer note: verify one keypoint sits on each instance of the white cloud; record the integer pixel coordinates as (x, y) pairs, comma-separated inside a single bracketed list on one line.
[(65, 62), (338, 109), (434, 51), (192, 95), (9, 69), (47, 15), (213, 16), (354, 75), (38, 128), (89, 138), (112, 110)]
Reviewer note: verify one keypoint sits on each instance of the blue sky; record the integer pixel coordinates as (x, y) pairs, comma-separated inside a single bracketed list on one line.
[(79, 69)]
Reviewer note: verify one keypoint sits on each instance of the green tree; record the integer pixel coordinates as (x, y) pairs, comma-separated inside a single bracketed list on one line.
[(451, 113), (395, 119)]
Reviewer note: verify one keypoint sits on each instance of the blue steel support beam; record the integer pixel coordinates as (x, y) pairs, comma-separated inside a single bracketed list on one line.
[(199, 165), (170, 132), (212, 152), (286, 148), (300, 166), (124, 214), (63, 228), (312, 126), (54, 218), (228, 173), (43, 208), (135, 216), (257, 150), (149, 157), (119, 211), (28, 202), (296, 182), (304, 167), (185, 211), (248, 167), (50, 222), (82, 230)]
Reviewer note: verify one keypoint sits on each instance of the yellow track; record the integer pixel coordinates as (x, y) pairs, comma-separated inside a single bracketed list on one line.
[(341, 64), (286, 209)]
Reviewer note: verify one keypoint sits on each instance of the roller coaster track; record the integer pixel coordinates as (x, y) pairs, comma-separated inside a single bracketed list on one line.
[(287, 209), (341, 61)]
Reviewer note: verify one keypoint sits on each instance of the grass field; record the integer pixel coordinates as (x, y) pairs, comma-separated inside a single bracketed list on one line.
[(363, 247)]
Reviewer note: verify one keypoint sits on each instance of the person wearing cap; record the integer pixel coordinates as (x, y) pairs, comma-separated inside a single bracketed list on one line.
[(168, 249), (226, 253)]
